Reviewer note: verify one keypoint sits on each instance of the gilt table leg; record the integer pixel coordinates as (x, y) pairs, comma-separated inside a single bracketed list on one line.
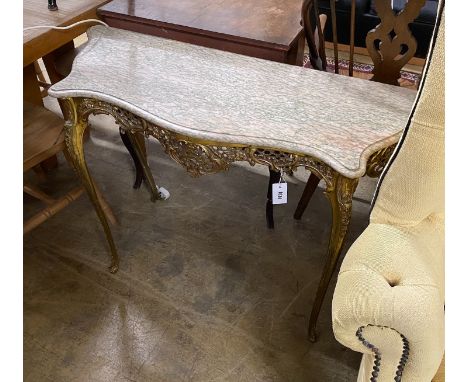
[(74, 131), (340, 193)]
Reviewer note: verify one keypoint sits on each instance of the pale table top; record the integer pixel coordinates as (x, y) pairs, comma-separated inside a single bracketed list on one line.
[(224, 97), (39, 42)]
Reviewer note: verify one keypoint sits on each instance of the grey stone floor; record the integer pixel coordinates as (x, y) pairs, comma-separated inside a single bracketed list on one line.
[(205, 291)]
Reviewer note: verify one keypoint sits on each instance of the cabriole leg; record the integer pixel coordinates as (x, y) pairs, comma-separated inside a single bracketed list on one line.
[(74, 130), (340, 194)]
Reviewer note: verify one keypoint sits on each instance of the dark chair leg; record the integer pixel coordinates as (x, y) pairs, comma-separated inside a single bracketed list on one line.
[(309, 190), (274, 178), (138, 167), (137, 140)]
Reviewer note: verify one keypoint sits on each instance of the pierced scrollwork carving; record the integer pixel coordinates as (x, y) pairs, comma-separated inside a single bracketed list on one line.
[(391, 44), (341, 197), (378, 160), (200, 157), (197, 159), (126, 120), (345, 200)]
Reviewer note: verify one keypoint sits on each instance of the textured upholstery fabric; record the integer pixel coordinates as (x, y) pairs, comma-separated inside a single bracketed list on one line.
[(393, 275)]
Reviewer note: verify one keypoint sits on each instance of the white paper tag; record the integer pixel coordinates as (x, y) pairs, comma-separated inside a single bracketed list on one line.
[(280, 193)]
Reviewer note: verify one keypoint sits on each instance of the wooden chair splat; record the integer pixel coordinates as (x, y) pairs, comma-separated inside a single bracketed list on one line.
[(390, 45)]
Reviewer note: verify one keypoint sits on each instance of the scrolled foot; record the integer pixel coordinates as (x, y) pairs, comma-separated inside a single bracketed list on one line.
[(113, 268)]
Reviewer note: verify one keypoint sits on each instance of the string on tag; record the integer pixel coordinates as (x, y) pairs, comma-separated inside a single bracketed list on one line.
[(280, 190), (281, 179)]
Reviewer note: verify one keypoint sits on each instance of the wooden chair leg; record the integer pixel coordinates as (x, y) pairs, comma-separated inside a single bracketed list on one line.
[(274, 178), (50, 163), (50, 211), (39, 73), (55, 205), (40, 172), (137, 141), (41, 79), (309, 190), (54, 75), (136, 162), (38, 194)]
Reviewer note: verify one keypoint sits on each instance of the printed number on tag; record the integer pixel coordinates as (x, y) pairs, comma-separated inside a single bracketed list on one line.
[(280, 193)]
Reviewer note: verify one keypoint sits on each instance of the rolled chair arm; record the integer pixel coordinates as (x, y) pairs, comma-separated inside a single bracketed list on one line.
[(388, 304)]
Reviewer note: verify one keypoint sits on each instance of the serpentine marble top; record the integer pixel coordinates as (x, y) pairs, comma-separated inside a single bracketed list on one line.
[(224, 97)]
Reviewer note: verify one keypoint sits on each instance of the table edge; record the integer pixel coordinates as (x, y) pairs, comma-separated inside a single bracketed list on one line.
[(352, 173), (106, 16)]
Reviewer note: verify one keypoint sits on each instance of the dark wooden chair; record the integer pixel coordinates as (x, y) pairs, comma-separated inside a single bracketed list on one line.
[(390, 45)]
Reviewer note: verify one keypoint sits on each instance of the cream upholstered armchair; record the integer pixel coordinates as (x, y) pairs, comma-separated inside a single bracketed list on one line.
[(389, 299)]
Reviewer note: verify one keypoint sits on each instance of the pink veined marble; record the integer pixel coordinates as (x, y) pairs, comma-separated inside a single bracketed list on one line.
[(219, 96)]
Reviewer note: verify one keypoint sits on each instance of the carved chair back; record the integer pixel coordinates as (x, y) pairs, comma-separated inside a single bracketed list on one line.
[(390, 45)]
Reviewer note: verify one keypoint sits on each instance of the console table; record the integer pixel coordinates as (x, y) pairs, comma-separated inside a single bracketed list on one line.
[(210, 108)]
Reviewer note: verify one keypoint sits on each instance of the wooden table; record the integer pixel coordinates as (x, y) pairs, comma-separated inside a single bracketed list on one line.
[(210, 108), (268, 29), (37, 43)]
